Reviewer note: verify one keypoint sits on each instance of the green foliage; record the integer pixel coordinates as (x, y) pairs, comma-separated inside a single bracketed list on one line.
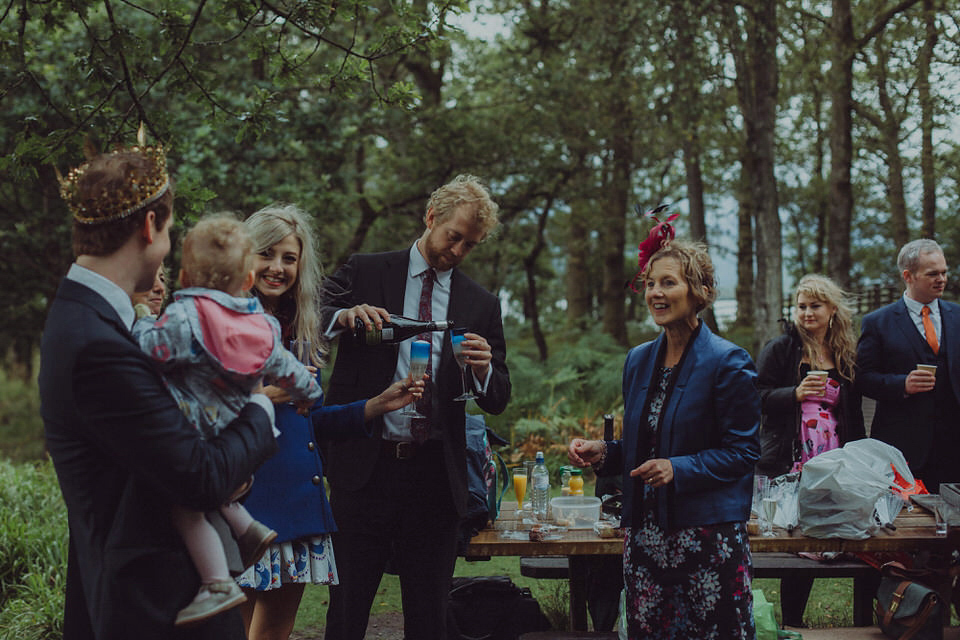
[(21, 428), (33, 552), (565, 396)]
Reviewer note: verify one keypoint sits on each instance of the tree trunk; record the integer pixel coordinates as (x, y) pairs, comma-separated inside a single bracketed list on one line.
[(614, 225), (761, 40), (840, 81), (889, 127), (578, 274), (928, 178), (698, 223), (745, 271), (531, 308), (818, 168), (686, 95)]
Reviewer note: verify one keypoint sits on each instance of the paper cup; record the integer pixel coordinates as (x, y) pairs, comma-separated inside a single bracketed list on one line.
[(932, 368), (823, 379)]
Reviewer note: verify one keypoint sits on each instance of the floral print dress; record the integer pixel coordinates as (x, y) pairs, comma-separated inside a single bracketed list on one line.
[(818, 421), (686, 583)]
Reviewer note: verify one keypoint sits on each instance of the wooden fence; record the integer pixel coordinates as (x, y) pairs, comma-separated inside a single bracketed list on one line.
[(869, 299)]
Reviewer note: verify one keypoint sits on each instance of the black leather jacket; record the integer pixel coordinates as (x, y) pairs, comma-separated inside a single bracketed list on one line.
[(778, 374)]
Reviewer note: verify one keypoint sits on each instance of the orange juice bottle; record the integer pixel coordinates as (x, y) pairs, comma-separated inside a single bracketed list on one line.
[(576, 482)]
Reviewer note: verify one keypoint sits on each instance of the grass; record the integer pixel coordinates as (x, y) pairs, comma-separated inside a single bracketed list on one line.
[(551, 594), (21, 428), (830, 605)]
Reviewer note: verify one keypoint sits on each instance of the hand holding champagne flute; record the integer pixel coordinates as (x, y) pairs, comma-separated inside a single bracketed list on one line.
[(419, 357), (456, 339)]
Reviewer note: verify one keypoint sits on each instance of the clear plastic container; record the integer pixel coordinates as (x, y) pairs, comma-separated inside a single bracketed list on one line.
[(576, 512)]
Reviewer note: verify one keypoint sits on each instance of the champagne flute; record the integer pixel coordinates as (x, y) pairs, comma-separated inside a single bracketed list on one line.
[(520, 485), (419, 357), (456, 339), (768, 509), (301, 349)]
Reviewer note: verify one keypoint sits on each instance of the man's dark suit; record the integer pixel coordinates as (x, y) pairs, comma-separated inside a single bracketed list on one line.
[(924, 426), (363, 372), (123, 453)]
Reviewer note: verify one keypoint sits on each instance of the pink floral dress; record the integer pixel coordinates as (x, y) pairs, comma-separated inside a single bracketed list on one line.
[(818, 424)]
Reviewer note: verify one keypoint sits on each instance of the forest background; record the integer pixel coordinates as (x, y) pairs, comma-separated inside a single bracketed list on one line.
[(793, 136)]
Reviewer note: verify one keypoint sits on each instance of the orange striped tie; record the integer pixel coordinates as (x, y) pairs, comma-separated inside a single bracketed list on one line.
[(928, 329)]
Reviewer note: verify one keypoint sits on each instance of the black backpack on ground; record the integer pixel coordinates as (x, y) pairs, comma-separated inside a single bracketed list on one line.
[(492, 608)]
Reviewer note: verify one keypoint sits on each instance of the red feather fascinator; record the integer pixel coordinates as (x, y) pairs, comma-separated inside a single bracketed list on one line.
[(660, 236)]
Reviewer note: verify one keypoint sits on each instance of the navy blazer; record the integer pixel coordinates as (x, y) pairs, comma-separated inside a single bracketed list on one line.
[(361, 372), (124, 453), (288, 494), (890, 347), (708, 430)]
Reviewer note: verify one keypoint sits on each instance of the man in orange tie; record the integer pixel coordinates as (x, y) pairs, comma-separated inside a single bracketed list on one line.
[(918, 408)]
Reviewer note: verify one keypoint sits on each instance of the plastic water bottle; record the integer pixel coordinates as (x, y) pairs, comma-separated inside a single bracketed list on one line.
[(541, 488)]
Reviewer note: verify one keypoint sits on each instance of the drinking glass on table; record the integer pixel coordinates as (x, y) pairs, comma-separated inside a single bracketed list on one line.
[(456, 340), (528, 466), (419, 357), (768, 509), (760, 485), (520, 485), (940, 517)]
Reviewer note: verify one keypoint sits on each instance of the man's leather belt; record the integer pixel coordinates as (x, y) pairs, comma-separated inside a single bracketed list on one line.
[(403, 450), (399, 450)]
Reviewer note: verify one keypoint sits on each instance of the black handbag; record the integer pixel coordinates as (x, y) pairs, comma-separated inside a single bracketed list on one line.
[(905, 608)]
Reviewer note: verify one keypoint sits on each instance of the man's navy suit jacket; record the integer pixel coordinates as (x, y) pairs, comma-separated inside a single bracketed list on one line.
[(124, 453), (362, 372), (890, 347)]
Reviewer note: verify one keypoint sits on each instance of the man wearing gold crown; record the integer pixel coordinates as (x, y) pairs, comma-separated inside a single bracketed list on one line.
[(118, 441)]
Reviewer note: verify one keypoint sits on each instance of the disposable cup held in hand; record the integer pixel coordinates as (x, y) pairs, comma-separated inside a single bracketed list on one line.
[(822, 375), (932, 368)]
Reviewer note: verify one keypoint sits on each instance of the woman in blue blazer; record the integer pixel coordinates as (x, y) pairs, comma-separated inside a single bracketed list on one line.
[(691, 418)]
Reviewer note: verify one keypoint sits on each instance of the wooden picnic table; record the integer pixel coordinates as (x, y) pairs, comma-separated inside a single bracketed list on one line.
[(914, 531)]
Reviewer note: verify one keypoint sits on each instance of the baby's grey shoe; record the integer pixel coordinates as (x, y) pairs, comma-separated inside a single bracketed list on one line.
[(212, 599), (254, 542)]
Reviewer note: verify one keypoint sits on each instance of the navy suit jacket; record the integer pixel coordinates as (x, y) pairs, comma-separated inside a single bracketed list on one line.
[(708, 429), (890, 347), (362, 372), (124, 453)]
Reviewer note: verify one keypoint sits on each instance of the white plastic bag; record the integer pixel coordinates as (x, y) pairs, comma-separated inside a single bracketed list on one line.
[(839, 489)]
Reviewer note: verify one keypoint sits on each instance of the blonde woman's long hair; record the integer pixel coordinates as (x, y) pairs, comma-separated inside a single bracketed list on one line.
[(300, 306), (839, 339)]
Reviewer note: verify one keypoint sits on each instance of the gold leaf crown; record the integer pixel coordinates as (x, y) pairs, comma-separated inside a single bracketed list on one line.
[(119, 203)]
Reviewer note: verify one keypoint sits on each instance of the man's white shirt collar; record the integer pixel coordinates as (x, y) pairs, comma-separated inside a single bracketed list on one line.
[(418, 264), (109, 290)]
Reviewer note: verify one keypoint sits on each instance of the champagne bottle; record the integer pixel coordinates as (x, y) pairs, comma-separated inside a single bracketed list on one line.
[(397, 330), (608, 426)]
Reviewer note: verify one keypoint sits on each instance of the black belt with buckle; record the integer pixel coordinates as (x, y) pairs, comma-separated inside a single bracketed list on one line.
[(399, 450), (407, 450)]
